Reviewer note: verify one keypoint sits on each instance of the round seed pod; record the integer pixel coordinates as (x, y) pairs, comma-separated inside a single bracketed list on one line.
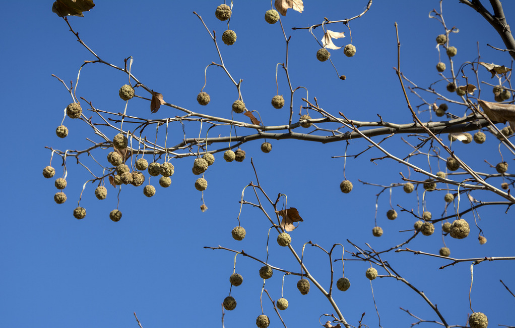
[(120, 141), (266, 147), (239, 155), (391, 214), (236, 279), (282, 304), (441, 39), (278, 102), (271, 16), (262, 321), (60, 197), (448, 198), (154, 169), (478, 320), (117, 180), (497, 90), (479, 137), (429, 185), (266, 272), (427, 216), (149, 191), (200, 165), (165, 182), (229, 156), (343, 284), (115, 215), (229, 303), (229, 37), (79, 213), (452, 164), (73, 110), (452, 51), (141, 164), (238, 106), (451, 87), (444, 107), (444, 251), (371, 273), (482, 240), (440, 67), (305, 124), (460, 229), (126, 92), (223, 12), (349, 50), (238, 233), (203, 98), (460, 92), (502, 167), (408, 188), (418, 225), (346, 186), (323, 54), (201, 184), (507, 131), (101, 192), (167, 169), (303, 286), (505, 185), (61, 131), (427, 229), (209, 158), (498, 98), (60, 183), (126, 178), (283, 239), (48, 172), (441, 174), (114, 158), (446, 227), (469, 138), (377, 231), (137, 178), (122, 168), (439, 112), (196, 171), (505, 94)]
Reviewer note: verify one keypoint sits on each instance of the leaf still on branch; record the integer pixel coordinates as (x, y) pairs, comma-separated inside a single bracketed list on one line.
[(72, 7), (499, 113), (252, 117), (289, 216), (283, 5), (327, 40), (156, 102), (495, 69)]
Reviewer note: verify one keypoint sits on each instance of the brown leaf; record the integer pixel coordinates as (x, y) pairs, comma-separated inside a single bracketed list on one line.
[(459, 136), (329, 325), (156, 102), (283, 5), (469, 88), (252, 118), (327, 40), (499, 113), (289, 216), (72, 7), (495, 69), (111, 181), (125, 153)]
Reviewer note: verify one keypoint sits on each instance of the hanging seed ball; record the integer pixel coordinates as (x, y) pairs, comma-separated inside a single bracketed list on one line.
[(229, 37), (266, 272), (196, 171), (282, 304), (479, 137), (498, 98), (117, 180), (165, 182), (439, 112), (149, 191), (460, 92), (504, 185), (101, 192), (167, 169), (305, 124), (141, 164), (505, 94), (61, 131), (236, 279), (238, 106), (271, 16), (120, 141), (303, 286), (482, 240), (60, 197), (126, 92), (448, 198), (137, 178), (209, 158), (478, 320), (408, 188), (507, 131), (278, 102), (201, 184), (451, 137), (429, 185), (283, 239), (418, 225), (79, 213), (497, 90), (440, 67), (391, 214), (444, 106), (239, 155), (377, 231), (444, 251), (451, 87), (323, 54), (349, 50), (469, 138), (60, 183), (427, 229), (441, 39), (126, 178), (229, 303), (203, 98), (266, 147), (502, 167), (446, 227), (452, 51), (346, 186), (426, 216), (223, 12), (115, 215), (262, 321), (229, 156), (154, 169), (122, 168), (114, 158), (441, 174), (343, 284), (452, 164), (238, 233), (460, 229), (48, 172), (200, 165), (371, 273), (73, 110)]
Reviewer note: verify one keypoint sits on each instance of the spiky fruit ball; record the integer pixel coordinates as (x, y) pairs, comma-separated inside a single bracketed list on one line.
[(346, 186), (452, 164), (271, 16), (479, 137), (303, 286), (444, 251), (101, 192), (229, 303), (460, 229), (448, 198), (446, 227), (451, 87), (196, 171), (120, 141), (236, 279), (167, 169), (141, 164), (126, 92), (505, 94), (468, 139), (266, 147), (154, 169), (262, 321), (505, 185), (238, 106), (122, 168), (349, 50), (429, 185), (201, 184), (239, 155), (408, 188), (371, 273), (137, 178), (427, 229), (203, 98), (452, 51), (209, 158), (502, 167), (460, 92), (440, 67), (79, 213), (200, 165), (343, 284), (223, 12), (165, 182), (441, 174), (282, 304), (229, 37), (439, 112), (498, 98), (48, 172), (115, 215), (377, 231), (149, 191), (278, 102), (391, 214), (305, 124), (117, 180), (60, 183), (507, 131), (73, 110), (283, 239), (229, 155), (238, 233), (323, 54), (60, 197), (478, 320), (441, 39), (126, 178), (497, 90), (418, 225), (266, 272), (482, 240), (427, 215), (61, 131), (114, 158)]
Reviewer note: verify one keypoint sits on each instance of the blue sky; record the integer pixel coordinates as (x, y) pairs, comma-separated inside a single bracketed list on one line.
[(61, 272)]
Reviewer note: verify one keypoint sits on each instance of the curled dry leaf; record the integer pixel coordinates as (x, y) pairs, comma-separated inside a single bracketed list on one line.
[(289, 216), (495, 69), (156, 102), (499, 113), (469, 88), (111, 181), (327, 40), (252, 118), (329, 325), (72, 7), (283, 5), (459, 136)]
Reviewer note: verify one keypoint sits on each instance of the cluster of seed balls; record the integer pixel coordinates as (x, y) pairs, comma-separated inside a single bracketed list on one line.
[(323, 54), (451, 51)]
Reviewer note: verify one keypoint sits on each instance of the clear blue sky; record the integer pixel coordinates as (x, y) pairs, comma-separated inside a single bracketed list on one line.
[(57, 271)]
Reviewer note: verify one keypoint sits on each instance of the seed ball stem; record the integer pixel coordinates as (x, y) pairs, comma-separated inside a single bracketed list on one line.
[(115, 215), (126, 92), (61, 131)]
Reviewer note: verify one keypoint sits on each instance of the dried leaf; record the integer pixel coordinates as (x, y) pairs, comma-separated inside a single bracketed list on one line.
[(469, 88), (156, 102), (459, 136), (283, 5), (495, 69), (499, 113), (329, 325), (327, 40), (252, 118), (111, 181), (289, 215), (72, 7)]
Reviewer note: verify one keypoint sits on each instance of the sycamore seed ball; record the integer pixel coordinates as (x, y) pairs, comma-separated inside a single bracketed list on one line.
[(468, 139), (120, 141), (101, 192), (266, 272), (444, 251), (343, 284), (429, 185), (451, 87), (262, 321), (441, 39), (154, 169), (278, 102), (499, 98), (73, 110), (505, 94), (478, 320), (452, 164), (117, 180), (238, 106), (229, 156), (448, 198), (122, 168), (114, 158), (460, 229), (452, 51), (377, 231), (479, 137), (196, 171), (79, 213), (283, 239), (48, 172), (223, 12), (203, 98), (271, 16), (391, 214), (115, 215), (507, 131), (349, 50), (209, 158), (266, 147), (303, 286), (408, 188), (418, 225), (236, 279), (61, 131), (305, 124), (126, 92), (482, 240), (229, 303), (427, 215), (346, 186), (439, 112), (60, 197), (446, 227), (165, 182), (505, 185), (441, 174), (282, 304), (238, 233), (460, 92), (167, 169), (149, 191), (200, 165), (440, 67), (323, 54), (138, 179), (497, 90), (502, 167), (60, 183), (201, 184), (427, 229), (371, 273), (126, 178), (141, 164), (229, 37), (239, 155)]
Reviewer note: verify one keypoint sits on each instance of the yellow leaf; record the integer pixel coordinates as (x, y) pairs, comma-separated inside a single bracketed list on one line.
[(72, 7)]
